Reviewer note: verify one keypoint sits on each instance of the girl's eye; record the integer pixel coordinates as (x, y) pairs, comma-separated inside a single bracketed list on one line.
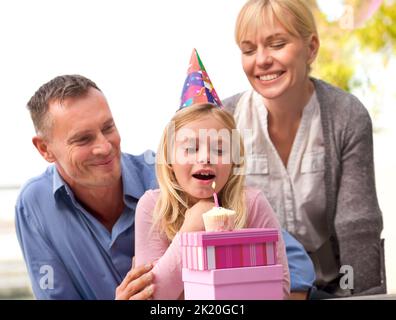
[(190, 149), (219, 151)]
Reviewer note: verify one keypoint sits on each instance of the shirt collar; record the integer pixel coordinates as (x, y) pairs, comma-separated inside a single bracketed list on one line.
[(132, 183), (57, 181)]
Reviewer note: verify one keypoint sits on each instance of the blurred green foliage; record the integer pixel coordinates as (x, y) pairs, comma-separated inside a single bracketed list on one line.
[(342, 39)]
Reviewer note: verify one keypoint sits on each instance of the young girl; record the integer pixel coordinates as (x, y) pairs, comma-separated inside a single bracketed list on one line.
[(190, 157)]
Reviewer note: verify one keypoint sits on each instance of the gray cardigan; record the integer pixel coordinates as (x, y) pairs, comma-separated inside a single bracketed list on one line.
[(352, 209)]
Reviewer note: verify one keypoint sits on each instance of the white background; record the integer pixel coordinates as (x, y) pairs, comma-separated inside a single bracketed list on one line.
[(137, 52)]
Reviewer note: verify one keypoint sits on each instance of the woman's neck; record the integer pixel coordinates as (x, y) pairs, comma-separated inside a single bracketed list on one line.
[(287, 109)]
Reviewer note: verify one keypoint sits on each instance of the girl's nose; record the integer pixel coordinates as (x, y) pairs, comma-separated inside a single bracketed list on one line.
[(203, 156)]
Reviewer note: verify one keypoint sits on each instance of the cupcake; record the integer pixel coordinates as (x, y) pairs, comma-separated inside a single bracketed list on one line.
[(219, 219)]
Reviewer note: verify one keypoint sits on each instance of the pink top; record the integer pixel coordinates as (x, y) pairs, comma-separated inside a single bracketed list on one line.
[(152, 245)]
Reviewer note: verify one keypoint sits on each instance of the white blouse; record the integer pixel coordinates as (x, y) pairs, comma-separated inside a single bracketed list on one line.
[(296, 192)]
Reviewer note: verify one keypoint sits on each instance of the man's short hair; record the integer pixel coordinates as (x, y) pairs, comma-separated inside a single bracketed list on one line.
[(57, 89)]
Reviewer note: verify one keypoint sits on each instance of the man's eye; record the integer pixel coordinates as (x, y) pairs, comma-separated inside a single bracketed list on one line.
[(82, 140), (108, 128)]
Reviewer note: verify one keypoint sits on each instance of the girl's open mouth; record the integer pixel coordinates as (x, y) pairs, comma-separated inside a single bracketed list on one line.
[(204, 176)]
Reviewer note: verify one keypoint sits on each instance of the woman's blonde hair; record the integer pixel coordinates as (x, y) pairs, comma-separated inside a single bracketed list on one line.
[(256, 13), (172, 204)]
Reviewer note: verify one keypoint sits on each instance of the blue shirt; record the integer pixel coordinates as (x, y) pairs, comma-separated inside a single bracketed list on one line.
[(301, 268), (69, 253)]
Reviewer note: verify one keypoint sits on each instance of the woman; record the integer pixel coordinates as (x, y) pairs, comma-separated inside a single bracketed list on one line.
[(311, 147)]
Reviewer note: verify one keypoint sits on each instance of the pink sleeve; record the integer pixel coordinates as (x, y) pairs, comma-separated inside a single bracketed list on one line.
[(151, 245), (261, 215)]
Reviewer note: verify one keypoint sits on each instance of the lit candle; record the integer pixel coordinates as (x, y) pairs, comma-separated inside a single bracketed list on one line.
[(216, 200)]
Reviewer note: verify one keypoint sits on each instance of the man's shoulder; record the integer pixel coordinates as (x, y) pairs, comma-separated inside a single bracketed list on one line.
[(37, 185), (146, 160), (140, 169)]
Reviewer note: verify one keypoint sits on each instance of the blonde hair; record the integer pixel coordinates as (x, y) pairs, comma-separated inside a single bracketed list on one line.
[(172, 204), (256, 13)]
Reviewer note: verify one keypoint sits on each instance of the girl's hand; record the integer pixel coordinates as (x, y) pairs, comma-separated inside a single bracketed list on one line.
[(193, 220)]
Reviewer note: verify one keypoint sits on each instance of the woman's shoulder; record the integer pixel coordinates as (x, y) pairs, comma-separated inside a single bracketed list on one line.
[(231, 103), (337, 100)]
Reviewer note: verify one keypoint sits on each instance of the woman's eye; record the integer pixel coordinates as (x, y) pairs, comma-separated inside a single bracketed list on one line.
[(248, 52), (277, 45)]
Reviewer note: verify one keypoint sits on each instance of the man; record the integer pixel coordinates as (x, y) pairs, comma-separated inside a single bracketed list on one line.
[(75, 222)]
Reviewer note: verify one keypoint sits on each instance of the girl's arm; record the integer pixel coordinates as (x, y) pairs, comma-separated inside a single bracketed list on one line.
[(152, 246)]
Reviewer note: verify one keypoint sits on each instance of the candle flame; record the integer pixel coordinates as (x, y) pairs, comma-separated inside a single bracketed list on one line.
[(214, 185)]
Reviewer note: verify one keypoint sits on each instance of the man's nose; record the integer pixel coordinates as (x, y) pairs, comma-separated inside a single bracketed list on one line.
[(102, 146)]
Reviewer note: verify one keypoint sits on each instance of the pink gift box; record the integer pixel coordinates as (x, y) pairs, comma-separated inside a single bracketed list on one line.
[(251, 283), (229, 249)]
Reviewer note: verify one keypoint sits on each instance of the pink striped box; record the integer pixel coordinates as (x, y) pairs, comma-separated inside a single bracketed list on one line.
[(229, 249), (249, 283)]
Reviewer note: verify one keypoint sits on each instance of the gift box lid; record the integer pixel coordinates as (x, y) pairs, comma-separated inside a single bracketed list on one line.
[(223, 238), (234, 275)]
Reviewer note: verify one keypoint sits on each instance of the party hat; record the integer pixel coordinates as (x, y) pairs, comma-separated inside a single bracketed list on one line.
[(198, 88)]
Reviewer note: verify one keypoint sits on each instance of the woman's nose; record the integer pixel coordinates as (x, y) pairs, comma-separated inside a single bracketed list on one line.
[(263, 57)]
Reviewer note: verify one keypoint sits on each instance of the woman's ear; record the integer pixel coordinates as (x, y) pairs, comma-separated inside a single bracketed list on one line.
[(313, 48)]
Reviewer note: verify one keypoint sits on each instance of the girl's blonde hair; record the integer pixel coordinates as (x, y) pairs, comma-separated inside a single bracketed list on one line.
[(256, 13), (172, 204)]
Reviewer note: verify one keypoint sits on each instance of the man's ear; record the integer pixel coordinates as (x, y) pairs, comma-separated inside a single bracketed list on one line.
[(313, 47), (42, 146)]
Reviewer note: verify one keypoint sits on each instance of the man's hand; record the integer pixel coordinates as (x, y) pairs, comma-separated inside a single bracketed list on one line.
[(137, 284)]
